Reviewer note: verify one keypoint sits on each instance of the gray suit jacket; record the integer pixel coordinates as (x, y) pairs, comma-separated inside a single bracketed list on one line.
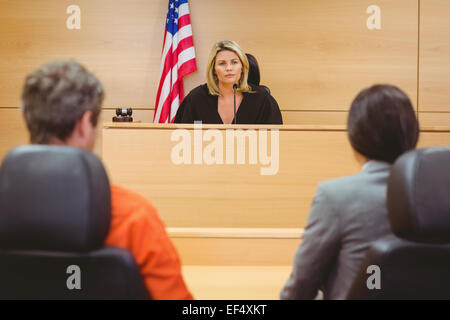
[(347, 214)]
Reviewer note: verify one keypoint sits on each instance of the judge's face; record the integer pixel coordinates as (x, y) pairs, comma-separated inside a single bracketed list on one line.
[(228, 68)]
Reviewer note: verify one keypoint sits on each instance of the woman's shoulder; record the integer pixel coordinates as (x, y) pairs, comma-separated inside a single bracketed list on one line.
[(259, 89), (356, 185), (259, 92)]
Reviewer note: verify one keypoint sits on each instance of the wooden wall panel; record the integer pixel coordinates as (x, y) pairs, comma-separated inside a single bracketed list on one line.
[(314, 55), (434, 86), (240, 246), (120, 41), (233, 196), (434, 139), (289, 116), (227, 195), (434, 119), (236, 282), (315, 117), (13, 131)]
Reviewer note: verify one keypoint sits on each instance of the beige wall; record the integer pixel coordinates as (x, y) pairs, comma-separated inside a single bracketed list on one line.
[(314, 55), (434, 62)]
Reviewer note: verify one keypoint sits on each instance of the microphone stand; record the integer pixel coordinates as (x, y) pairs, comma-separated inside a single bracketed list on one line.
[(234, 89)]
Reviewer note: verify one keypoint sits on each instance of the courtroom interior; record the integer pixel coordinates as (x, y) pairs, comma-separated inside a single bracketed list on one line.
[(232, 200)]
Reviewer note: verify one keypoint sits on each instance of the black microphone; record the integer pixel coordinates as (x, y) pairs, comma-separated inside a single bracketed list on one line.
[(234, 88)]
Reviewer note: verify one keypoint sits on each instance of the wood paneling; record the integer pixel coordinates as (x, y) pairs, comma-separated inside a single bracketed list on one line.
[(120, 41), (13, 130), (434, 139), (236, 246), (434, 86), (236, 282), (314, 55), (139, 157), (315, 117), (227, 195), (299, 117), (434, 119)]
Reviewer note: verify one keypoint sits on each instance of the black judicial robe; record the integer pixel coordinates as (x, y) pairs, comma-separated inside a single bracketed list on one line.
[(256, 108)]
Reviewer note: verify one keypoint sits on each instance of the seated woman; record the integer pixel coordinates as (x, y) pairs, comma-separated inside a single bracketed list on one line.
[(213, 102), (349, 213)]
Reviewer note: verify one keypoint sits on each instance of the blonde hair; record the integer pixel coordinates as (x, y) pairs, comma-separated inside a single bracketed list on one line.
[(211, 79)]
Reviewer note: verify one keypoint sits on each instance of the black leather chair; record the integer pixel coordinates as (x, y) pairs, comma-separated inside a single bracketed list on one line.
[(414, 262), (55, 212)]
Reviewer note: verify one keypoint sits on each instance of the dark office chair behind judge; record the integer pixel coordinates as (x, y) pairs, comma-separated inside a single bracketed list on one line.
[(254, 76), (55, 212), (414, 263)]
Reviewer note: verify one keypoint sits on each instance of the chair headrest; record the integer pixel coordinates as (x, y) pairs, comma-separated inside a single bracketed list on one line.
[(418, 196), (53, 198)]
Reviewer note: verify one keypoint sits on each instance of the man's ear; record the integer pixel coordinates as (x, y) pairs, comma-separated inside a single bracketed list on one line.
[(84, 125), (84, 133)]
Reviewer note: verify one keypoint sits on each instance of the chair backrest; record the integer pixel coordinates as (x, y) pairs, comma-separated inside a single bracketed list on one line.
[(55, 212), (413, 262), (254, 76)]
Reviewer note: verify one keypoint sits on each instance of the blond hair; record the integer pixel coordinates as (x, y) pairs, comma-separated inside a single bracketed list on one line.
[(211, 79)]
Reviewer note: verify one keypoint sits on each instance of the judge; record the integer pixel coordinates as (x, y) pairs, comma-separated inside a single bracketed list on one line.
[(213, 102)]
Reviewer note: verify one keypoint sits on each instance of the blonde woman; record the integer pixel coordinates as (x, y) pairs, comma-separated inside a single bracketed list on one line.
[(213, 102)]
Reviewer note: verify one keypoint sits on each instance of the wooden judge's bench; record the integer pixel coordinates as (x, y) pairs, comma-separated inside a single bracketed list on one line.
[(228, 220)]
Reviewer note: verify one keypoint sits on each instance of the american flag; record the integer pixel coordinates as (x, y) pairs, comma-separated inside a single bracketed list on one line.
[(177, 61)]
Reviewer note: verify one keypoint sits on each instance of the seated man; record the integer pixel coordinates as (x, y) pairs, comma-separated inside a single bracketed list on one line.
[(61, 104)]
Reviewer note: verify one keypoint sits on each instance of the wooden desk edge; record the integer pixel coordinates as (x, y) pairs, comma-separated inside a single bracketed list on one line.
[(290, 127), (252, 233), (121, 125)]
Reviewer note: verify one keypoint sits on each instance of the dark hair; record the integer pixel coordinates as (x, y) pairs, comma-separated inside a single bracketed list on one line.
[(253, 70), (56, 96), (382, 123)]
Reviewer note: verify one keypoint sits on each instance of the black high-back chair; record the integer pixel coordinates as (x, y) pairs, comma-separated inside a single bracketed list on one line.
[(55, 212), (254, 75), (414, 262)]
